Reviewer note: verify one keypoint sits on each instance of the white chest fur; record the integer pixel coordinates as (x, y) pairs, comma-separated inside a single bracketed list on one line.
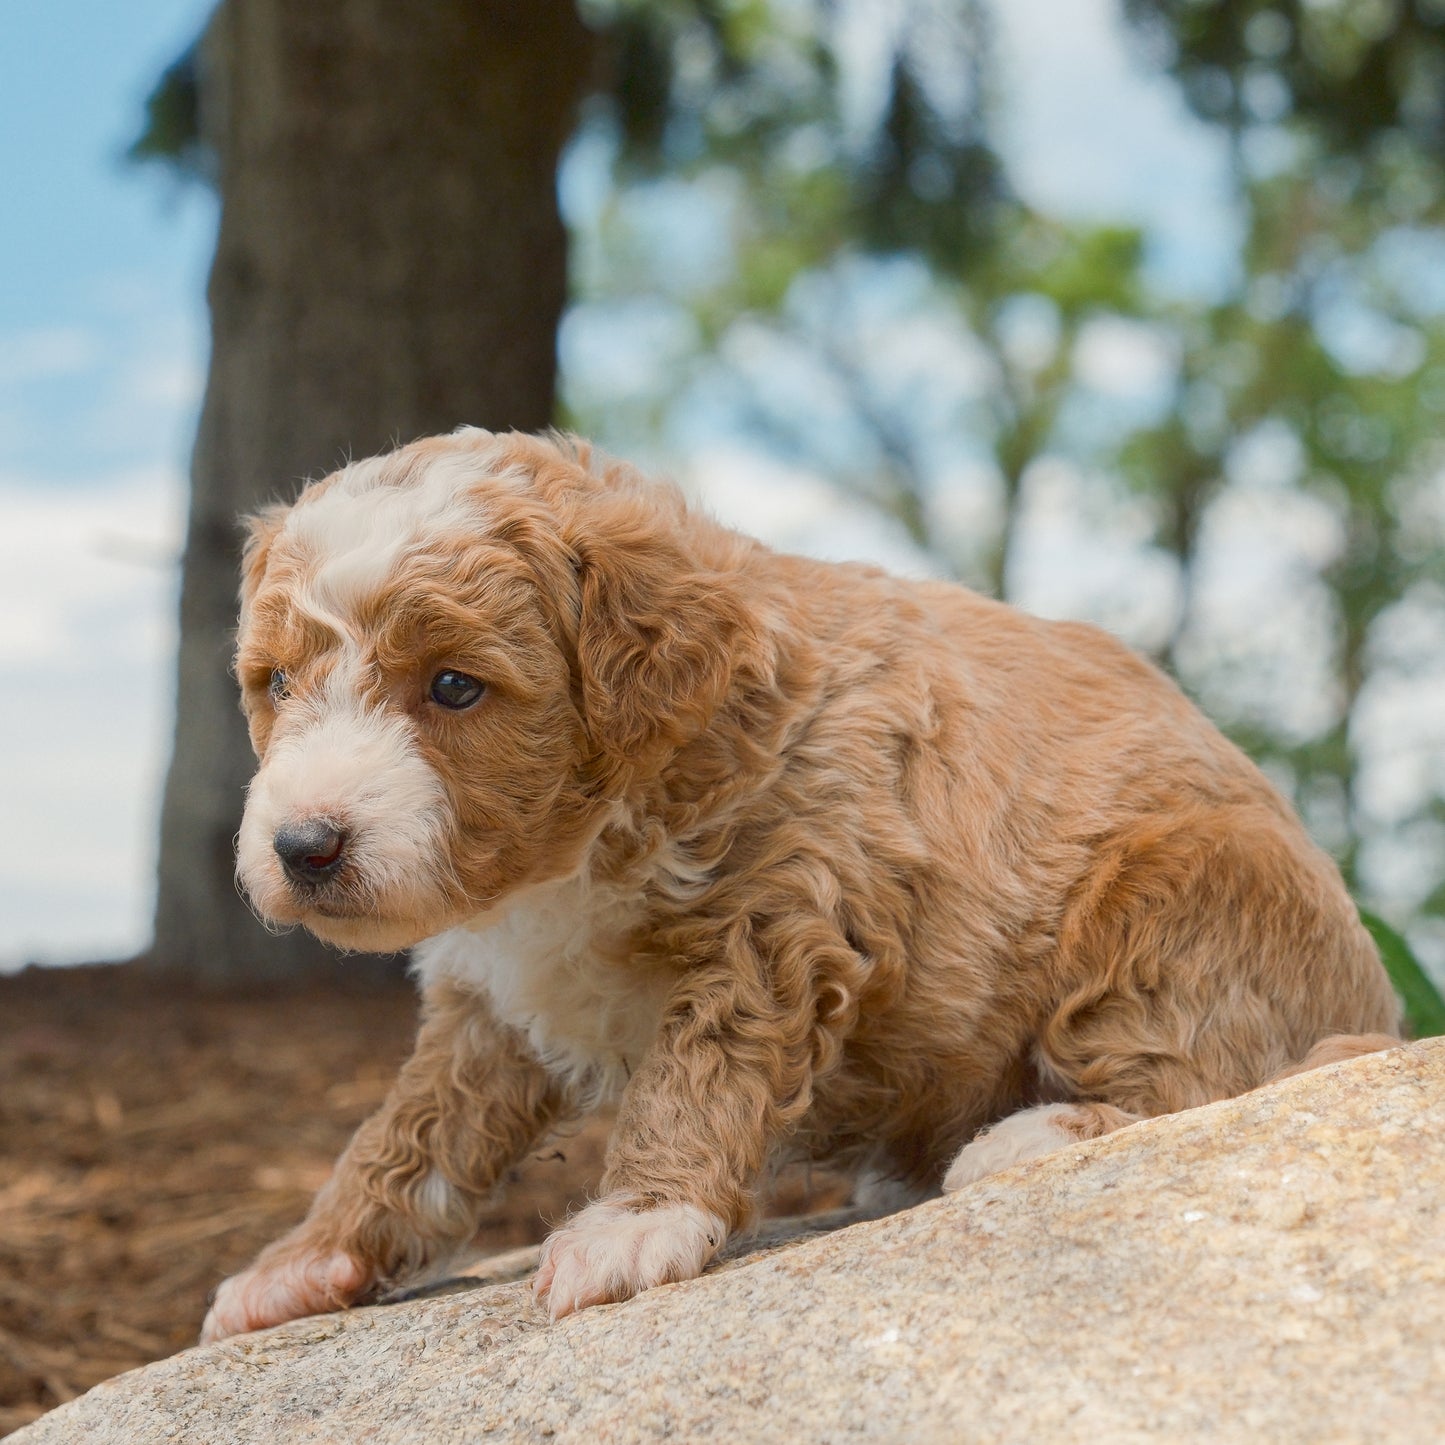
[(554, 963)]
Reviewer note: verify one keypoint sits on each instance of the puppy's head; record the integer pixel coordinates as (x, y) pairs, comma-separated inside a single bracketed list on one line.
[(452, 660)]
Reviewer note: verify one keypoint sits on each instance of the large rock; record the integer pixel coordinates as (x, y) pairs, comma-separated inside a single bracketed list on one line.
[(1268, 1268)]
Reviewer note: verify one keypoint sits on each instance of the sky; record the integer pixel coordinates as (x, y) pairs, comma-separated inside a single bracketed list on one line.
[(102, 350), (102, 362)]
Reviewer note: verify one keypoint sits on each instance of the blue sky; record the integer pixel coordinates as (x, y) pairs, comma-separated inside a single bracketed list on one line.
[(102, 355), (105, 261), (102, 351)]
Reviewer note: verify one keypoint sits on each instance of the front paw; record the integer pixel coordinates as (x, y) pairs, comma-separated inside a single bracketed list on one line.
[(613, 1249), (286, 1285)]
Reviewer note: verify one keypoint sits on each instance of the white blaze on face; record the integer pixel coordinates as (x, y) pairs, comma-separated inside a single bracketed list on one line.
[(356, 765), (339, 754), (366, 521)]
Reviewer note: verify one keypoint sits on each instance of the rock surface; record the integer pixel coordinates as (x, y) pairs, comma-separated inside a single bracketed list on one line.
[(1268, 1268)]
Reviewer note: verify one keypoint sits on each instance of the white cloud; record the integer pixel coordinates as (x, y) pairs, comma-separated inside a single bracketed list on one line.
[(173, 382), (1082, 552), (47, 352), (1092, 133), (797, 511), (68, 555), (87, 639), (1126, 359)]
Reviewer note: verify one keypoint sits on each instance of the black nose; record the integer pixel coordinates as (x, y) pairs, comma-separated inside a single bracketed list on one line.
[(310, 851)]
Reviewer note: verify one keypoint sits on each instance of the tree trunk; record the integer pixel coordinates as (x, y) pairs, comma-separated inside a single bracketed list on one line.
[(390, 263)]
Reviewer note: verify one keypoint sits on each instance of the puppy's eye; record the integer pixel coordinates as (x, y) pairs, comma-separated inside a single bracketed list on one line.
[(279, 686), (455, 690)]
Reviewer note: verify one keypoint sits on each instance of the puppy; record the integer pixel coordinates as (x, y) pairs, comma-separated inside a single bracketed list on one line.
[(790, 858)]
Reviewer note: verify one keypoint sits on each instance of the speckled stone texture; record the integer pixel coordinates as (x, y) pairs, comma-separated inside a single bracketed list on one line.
[(1271, 1268)]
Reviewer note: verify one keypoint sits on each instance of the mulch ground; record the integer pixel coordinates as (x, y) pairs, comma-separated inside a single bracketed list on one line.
[(153, 1137)]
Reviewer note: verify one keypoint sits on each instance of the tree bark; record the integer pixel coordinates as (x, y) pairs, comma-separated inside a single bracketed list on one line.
[(390, 263)]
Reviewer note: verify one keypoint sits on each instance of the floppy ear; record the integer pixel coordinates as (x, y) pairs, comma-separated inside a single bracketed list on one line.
[(262, 528), (658, 631)]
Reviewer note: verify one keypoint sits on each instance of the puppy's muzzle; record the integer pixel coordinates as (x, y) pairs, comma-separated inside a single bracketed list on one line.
[(310, 851)]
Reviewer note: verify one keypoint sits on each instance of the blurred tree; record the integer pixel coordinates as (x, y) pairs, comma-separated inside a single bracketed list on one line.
[(390, 263), (789, 220), (1359, 434), (1330, 344), (1365, 76), (868, 294), (877, 353)]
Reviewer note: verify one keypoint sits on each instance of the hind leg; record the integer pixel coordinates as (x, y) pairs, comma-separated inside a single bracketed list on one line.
[(1128, 1049), (1033, 1133), (1116, 1056), (1199, 962), (1030, 1134), (1339, 1049)]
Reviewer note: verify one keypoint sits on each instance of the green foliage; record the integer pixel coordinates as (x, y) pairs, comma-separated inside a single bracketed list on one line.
[(1323, 343), (928, 186), (1424, 1007), (757, 86), (1087, 269), (1354, 70), (1330, 340), (171, 134), (869, 298)]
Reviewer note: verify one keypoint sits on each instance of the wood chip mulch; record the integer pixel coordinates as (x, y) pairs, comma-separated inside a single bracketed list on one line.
[(154, 1136)]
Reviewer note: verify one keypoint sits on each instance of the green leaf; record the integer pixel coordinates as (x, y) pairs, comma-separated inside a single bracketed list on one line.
[(172, 130), (1424, 1008)]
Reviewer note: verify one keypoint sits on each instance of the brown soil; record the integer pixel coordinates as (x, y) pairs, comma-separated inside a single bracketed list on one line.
[(153, 1137)]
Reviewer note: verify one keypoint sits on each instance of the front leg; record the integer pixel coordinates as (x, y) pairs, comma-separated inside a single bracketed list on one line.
[(730, 1072), (410, 1186)]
